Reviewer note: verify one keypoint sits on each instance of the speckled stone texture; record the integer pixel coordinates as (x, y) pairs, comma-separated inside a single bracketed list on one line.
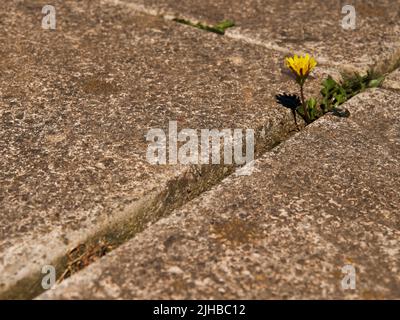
[(313, 26), (325, 198), (76, 104), (392, 81)]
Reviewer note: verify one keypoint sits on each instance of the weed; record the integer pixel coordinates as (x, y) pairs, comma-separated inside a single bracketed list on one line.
[(219, 28), (333, 93)]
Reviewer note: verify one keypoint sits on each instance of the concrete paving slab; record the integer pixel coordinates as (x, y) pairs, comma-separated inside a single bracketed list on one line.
[(312, 26), (76, 104), (324, 199), (392, 81)]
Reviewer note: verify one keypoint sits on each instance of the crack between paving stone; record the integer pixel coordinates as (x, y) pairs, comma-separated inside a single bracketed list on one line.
[(221, 175), (204, 179), (169, 200), (390, 64), (143, 213)]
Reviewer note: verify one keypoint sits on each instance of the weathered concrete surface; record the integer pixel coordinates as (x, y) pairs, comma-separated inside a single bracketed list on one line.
[(327, 197), (392, 81), (76, 104), (301, 26)]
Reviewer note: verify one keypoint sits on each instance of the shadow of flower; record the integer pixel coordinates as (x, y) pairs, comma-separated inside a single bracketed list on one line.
[(291, 101)]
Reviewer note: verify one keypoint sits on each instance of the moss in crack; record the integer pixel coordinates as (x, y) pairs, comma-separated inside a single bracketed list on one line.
[(219, 28)]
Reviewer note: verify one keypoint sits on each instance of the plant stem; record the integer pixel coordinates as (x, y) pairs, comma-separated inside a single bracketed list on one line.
[(305, 109), (295, 119)]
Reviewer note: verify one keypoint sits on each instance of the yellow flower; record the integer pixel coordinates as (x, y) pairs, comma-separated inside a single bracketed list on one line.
[(301, 66)]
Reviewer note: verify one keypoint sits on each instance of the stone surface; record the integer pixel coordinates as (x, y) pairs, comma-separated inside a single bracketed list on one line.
[(392, 81), (301, 26), (76, 104), (325, 198)]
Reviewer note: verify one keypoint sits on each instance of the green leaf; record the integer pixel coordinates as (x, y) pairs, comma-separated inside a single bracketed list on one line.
[(311, 103), (328, 85), (223, 25), (312, 108), (219, 28), (376, 82)]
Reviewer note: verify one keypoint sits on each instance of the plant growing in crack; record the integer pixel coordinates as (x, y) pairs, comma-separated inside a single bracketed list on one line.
[(333, 93), (301, 68), (219, 28)]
